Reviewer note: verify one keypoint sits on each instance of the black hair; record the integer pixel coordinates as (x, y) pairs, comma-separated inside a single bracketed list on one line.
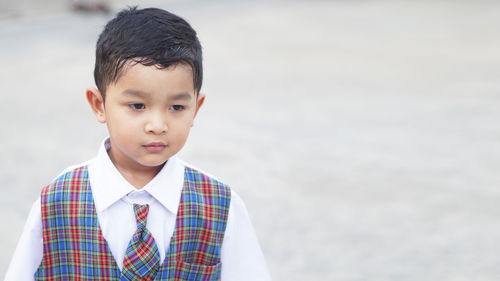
[(151, 37)]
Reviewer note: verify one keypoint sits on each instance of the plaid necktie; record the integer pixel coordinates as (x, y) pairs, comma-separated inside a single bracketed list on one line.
[(142, 258)]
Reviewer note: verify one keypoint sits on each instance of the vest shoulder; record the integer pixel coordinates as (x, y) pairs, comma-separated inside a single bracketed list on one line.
[(197, 175), (74, 174), (203, 179)]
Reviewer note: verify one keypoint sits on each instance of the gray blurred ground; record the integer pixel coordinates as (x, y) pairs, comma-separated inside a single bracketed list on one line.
[(362, 135)]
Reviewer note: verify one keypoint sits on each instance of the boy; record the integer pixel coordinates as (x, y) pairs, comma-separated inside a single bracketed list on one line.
[(136, 211)]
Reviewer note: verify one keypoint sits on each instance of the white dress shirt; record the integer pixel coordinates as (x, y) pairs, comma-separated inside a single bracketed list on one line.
[(114, 196)]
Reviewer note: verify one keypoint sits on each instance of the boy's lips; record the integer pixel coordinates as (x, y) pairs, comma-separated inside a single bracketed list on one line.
[(155, 146)]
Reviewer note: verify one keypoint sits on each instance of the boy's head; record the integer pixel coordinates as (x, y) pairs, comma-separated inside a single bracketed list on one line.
[(151, 37), (148, 73)]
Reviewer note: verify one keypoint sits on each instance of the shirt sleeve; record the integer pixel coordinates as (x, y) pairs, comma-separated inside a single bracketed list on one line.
[(29, 250), (241, 256)]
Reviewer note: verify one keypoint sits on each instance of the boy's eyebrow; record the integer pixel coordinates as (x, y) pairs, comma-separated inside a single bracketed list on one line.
[(135, 93), (141, 94), (182, 96)]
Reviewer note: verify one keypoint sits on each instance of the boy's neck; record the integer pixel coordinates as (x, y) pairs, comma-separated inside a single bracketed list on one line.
[(139, 179), (136, 176)]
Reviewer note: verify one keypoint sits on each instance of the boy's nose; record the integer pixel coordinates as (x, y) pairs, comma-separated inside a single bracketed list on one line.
[(156, 125)]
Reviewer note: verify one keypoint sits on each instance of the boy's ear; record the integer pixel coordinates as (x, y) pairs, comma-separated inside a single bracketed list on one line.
[(96, 102), (199, 102)]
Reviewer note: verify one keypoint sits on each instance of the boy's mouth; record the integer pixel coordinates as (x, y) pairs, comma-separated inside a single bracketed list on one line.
[(155, 146)]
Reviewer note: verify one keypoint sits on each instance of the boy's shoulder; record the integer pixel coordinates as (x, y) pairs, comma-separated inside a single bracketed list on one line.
[(71, 169), (67, 176), (189, 168), (202, 178)]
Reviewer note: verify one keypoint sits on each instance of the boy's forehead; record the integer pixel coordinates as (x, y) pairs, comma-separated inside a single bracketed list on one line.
[(135, 65), (138, 79)]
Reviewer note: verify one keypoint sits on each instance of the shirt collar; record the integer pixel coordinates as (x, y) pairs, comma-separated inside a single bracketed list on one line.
[(109, 186)]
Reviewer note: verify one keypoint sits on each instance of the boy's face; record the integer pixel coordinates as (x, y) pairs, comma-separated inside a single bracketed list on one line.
[(149, 113)]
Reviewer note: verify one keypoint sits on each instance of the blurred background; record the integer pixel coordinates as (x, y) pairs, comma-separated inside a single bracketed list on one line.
[(364, 136)]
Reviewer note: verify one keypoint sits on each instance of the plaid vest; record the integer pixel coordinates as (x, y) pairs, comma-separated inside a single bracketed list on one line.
[(74, 248)]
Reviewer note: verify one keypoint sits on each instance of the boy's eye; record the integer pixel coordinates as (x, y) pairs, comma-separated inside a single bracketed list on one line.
[(177, 107), (137, 106)]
